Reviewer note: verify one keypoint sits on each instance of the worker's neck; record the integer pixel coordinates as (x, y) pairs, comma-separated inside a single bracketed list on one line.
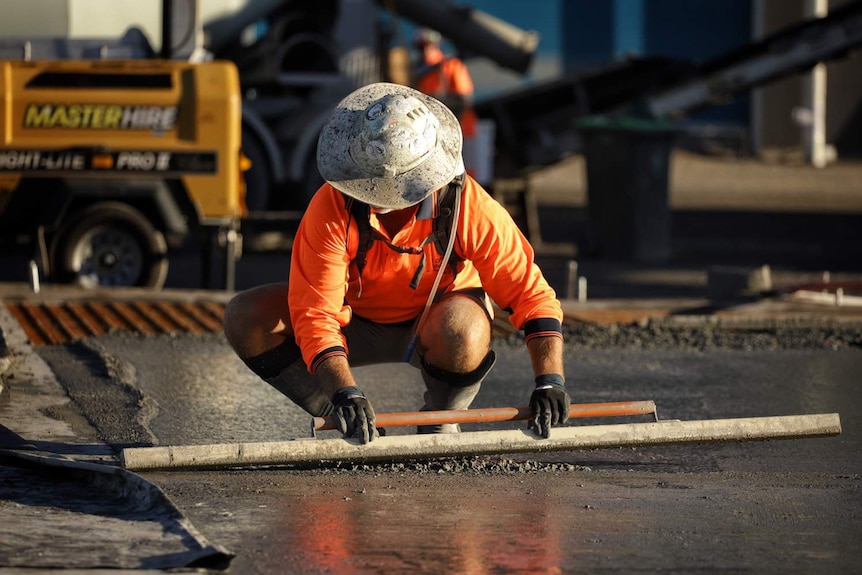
[(394, 221)]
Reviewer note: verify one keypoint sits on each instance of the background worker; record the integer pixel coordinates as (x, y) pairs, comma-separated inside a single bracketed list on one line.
[(369, 276), (443, 76), (447, 78)]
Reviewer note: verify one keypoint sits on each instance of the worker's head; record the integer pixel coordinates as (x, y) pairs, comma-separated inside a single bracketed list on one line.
[(390, 146), (425, 37)]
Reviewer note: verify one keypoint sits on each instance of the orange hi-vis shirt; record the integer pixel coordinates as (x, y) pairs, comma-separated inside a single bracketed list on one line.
[(448, 75), (325, 289)]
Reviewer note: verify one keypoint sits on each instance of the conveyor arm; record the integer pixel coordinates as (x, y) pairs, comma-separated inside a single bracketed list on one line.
[(787, 52)]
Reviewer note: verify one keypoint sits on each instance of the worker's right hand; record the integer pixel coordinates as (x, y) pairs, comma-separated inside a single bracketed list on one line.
[(354, 415)]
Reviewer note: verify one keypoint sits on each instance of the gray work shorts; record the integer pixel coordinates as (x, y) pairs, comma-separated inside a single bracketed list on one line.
[(370, 342)]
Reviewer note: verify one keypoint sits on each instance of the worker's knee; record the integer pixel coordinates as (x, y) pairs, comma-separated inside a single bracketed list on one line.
[(257, 319), (456, 335)]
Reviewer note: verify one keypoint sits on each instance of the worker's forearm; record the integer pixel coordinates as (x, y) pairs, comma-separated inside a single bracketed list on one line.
[(334, 373), (546, 354)]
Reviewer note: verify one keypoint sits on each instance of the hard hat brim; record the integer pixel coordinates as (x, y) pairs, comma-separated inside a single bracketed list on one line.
[(337, 167)]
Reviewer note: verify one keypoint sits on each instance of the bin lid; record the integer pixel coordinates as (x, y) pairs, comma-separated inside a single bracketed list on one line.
[(609, 122)]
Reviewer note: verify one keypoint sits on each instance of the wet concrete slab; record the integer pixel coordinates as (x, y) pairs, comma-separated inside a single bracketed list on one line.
[(713, 507), (541, 521)]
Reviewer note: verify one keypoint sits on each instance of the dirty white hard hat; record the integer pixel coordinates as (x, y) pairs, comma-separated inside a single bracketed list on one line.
[(390, 146)]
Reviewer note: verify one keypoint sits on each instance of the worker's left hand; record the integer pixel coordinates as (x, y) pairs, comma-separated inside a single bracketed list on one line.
[(354, 414), (549, 404)]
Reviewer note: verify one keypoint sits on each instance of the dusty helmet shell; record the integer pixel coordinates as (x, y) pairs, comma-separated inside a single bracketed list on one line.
[(390, 146)]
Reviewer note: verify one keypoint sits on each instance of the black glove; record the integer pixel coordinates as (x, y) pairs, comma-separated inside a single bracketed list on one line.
[(354, 414), (549, 404)]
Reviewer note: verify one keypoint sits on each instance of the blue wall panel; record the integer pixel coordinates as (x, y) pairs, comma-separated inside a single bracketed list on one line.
[(700, 31), (628, 27), (594, 33), (585, 34)]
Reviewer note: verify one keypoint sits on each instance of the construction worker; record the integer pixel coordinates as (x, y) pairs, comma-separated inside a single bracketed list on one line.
[(394, 260), (442, 76), (447, 78)]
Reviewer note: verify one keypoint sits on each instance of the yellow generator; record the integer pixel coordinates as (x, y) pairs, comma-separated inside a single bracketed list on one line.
[(107, 167)]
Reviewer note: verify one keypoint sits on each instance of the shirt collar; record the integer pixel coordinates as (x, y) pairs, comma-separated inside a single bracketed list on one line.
[(427, 207)]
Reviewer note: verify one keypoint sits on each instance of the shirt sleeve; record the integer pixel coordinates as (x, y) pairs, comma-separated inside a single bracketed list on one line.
[(318, 278), (459, 77), (506, 263)]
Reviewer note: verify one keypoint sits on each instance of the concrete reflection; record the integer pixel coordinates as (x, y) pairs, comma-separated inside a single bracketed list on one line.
[(427, 530)]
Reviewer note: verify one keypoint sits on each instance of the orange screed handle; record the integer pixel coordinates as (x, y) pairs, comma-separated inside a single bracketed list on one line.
[(496, 414)]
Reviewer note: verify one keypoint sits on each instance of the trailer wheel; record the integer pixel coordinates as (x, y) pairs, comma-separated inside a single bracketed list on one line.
[(109, 244)]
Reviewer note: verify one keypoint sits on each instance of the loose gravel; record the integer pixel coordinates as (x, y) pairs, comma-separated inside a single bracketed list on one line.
[(658, 335)]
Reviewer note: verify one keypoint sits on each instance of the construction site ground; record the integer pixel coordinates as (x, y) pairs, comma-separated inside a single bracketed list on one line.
[(681, 333)]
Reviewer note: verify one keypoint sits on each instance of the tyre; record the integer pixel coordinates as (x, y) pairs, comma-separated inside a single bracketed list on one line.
[(109, 244)]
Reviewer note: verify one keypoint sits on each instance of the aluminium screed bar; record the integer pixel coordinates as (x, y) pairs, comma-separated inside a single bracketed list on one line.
[(496, 414)]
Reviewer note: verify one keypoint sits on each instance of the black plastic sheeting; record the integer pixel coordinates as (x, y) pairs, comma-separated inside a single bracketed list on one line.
[(82, 515)]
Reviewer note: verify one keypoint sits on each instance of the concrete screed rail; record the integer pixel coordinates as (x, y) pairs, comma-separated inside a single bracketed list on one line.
[(415, 447)]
